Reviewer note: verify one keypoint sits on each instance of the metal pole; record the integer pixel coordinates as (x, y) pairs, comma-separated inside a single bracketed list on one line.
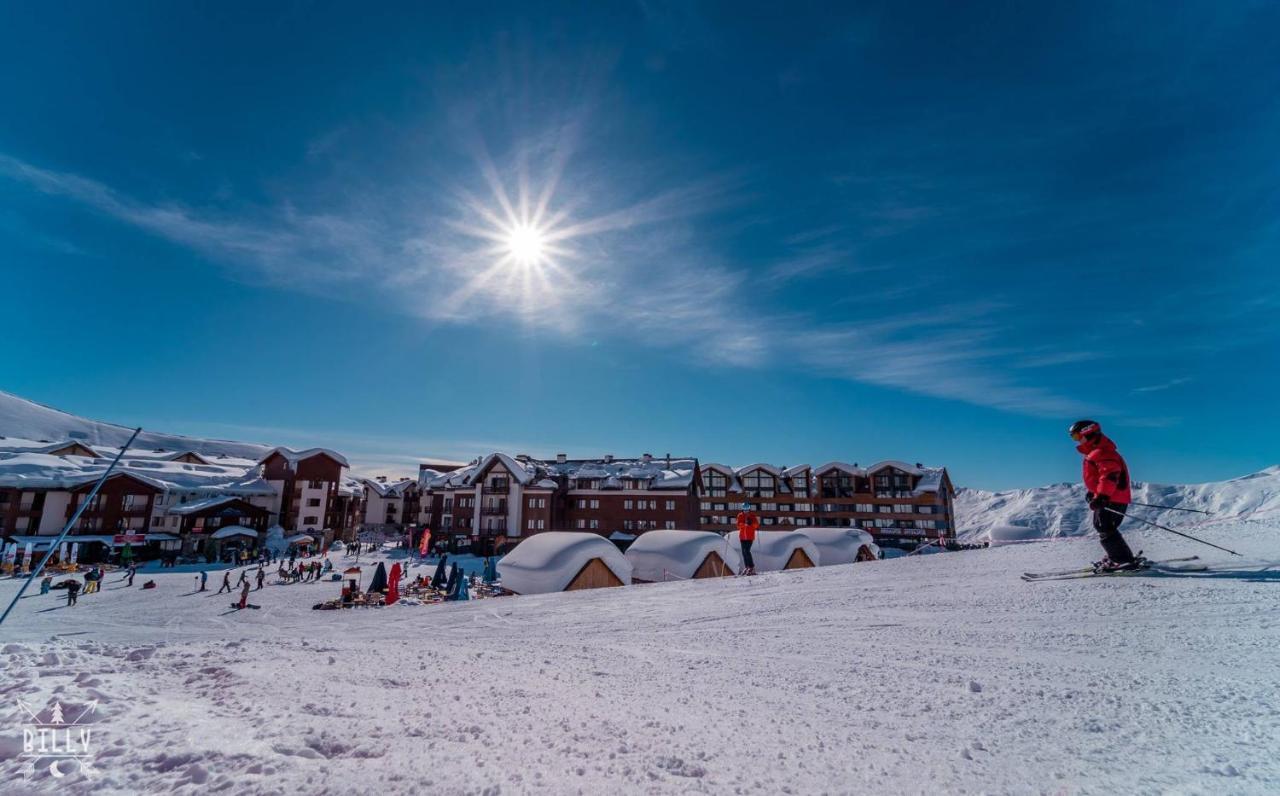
[(35, 573), (1179, 533), (1170, 508)]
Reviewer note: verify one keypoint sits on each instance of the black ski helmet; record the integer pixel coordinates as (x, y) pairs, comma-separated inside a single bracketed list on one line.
[(1084, 428)]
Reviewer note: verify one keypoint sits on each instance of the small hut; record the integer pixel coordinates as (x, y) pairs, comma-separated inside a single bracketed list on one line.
[(563, 561), (841, 545), (658, 556), (778, 550)]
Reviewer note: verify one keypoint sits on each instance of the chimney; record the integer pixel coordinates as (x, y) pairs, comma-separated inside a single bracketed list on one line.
[(648, 457), (668, 461), (919, 465), (561, 458), (608, 458)]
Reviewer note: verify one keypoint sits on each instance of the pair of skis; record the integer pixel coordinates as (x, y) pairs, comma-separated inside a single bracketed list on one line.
[(1094, 572)]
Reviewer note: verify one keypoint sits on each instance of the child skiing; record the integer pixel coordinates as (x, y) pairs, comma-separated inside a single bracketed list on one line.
[(1106, 479), (748, 524)]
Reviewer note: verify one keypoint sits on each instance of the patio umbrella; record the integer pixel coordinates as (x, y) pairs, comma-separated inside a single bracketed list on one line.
[(393, 585), (379, 582), (437, 580), (126, 553), (462, 594), (455, 575), (490, 570)]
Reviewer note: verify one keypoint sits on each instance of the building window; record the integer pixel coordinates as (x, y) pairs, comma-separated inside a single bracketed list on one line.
[(582, 523), (653, 504), (595, 524), (628, 504), (671, 505), (670, 525), (867, 507), (703, 506), (309, 521), (316, 502), (157, 522), (902, 508), (537, 503), (595, 504)]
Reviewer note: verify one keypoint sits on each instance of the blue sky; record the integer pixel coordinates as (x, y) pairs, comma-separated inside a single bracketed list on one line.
[(931, 232)]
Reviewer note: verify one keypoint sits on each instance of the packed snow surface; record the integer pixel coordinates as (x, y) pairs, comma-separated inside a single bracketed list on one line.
[(773, 549), (926, 674), (548, 562), (1060, 509), (664, 555)]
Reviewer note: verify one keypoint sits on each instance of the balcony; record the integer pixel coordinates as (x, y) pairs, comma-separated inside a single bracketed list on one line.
[(495, 489), (499, 510)]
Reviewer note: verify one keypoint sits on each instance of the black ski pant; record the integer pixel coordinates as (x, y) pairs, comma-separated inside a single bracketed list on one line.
[(1107, 524), (747, 560)]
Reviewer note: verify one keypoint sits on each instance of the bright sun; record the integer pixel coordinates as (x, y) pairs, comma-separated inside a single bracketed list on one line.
[(526, 244)]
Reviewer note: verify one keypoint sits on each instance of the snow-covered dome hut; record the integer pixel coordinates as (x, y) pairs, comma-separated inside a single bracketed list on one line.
[(776, 550), (841, 545), (563, 561), (680, 555)]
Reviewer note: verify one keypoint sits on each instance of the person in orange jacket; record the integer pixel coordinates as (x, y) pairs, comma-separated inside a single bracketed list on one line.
[(748, 524)]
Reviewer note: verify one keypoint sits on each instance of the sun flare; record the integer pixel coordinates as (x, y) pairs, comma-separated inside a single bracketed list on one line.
[(526, 244)]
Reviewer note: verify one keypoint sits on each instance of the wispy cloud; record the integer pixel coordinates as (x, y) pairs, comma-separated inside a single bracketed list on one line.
[(635, 268), (1164, 385)]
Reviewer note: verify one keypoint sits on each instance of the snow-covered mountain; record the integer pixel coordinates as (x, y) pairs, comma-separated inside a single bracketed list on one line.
[(1060, 510), (28, 420)]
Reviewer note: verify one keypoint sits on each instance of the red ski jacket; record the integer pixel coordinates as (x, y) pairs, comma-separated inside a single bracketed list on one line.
[(748, 522), (1105, 472)]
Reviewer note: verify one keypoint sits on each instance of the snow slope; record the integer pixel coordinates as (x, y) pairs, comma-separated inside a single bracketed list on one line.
[(1060, 510), (927, 674), (32, 421)]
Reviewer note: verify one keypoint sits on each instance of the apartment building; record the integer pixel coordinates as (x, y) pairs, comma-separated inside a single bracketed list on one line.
[(499, 499), (168, 501), (899, 503)]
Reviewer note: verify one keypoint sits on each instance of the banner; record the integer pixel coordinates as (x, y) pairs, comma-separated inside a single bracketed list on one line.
[(62, 553), (26, 558), (75, 551), (425, 545)]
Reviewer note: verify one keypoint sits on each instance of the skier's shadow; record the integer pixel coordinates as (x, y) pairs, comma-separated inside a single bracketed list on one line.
[(1268, 575)]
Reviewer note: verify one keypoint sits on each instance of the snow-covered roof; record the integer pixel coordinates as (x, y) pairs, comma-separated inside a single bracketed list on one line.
[(841, 466), (798, 469), (930, 481), (42, 471), (300, 538), (546, 483), (200, 505), (772, 549), (897, 465), (658, 473), (838, 545), (520, 471), (768, 468), (388, 489), (294, 456), (676, 555), (548, 562), (734, 484), (233, 530)]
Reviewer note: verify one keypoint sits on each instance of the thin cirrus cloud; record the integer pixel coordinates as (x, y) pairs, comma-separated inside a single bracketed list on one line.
[(663, 286)]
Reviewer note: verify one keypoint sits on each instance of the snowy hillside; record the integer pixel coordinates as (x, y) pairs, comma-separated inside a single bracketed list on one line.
[(27, 420), (928, 674), (1060, 510)]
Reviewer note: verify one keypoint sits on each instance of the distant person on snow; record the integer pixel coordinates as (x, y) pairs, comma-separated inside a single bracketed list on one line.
[(748, 524), (1106, 479), (226, 582)]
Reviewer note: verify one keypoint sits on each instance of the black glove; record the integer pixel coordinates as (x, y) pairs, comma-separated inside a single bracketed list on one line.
[(1088, 497), (1098, 502)]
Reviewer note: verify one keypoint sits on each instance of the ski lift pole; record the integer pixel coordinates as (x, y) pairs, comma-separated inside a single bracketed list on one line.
[(1179, 533), (35, 573), (1170, 508)]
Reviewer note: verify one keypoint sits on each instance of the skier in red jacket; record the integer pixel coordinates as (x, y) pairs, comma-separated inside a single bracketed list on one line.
[(748, 523), (1106, 479)]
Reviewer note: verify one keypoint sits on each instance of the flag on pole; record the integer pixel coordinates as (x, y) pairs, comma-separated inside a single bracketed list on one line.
[(75, 552), (26, 558)]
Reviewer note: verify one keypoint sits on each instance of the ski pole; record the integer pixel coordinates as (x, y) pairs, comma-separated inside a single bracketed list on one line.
[(1171, 508), (1179, 533)]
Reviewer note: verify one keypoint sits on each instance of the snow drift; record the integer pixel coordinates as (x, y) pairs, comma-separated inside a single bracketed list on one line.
[(1060, 510), (30, 420), (549, 562), (839, 545), (663, 555)]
